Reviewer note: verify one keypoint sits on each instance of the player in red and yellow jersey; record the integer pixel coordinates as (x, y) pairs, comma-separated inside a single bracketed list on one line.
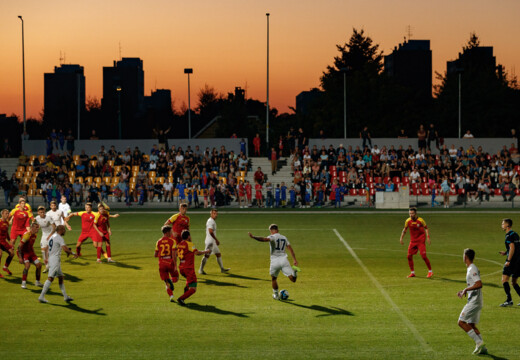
[(418, 234), (27, 256), (26, 204), (102, 227), (5, 245), (165, 250), (186, 253), (21, 218), (87, 227), (179, 222)]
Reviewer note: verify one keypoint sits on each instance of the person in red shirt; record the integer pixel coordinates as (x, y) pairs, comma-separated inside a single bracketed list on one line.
[(241, 194), (5, 245), (165, 250), (186, 253), (249, 192), (179, 222), (418, 234), (258, 195), (259, 175), (21, 218), (27, 256), (274, 161), (102, 226), (87, 227), (256, 144)]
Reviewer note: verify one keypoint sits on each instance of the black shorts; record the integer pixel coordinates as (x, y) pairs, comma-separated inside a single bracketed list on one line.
[(512, 270)]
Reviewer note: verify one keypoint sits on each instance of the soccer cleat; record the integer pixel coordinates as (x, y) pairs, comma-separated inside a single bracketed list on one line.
[(99, 261), (43, 300), (296, 268), (225, 270), (45, 270), (430, 274), (202, 272), (68, 299), (24, 285), (483, 350), (38, 283), (110, 260), (276, 296), (7, 271), (1, 276), (172, 299), (105, 255), (479, 348), (411, 275), (181, 302), (507, 303)]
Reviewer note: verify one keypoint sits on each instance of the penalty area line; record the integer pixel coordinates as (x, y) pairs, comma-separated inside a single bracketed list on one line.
[(394, 306)]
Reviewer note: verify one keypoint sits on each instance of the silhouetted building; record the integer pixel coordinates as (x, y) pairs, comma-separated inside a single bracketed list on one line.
[(123, 90), (159, 111), (64, 98), (477, 59), (411, 65), (305, 99)]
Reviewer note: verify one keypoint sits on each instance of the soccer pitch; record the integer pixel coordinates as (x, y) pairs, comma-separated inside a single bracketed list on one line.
[(352, 298)]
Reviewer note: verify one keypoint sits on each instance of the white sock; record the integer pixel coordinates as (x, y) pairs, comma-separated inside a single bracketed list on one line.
[(275, 291), (44, 257), (480, 337), (472, 334), (203, 263), (46, 287), (413, 271), (62, 288), (219, 260), (430, 270)]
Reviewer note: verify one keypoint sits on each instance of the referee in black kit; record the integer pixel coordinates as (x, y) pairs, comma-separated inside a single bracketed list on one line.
[(512, 264)]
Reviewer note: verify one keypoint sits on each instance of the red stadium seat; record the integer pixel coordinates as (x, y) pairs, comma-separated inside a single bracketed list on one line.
[(370, 180), (372, 192), (352, 192), (378, 179), (332, 168), (386, 179), (498, 192), (414, 192), (405, 180), (362, 192), (396, 179)]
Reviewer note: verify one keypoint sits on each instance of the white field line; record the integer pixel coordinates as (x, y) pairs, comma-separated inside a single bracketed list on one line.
[(403, 317), (324, 212)]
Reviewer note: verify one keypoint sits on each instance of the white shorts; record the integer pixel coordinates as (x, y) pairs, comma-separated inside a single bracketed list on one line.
[(471, 313), (212, 245), (281, 263), (43, 241), (54, 268)]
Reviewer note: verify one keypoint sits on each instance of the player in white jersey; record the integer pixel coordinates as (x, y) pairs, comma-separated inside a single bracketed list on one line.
[(65, 209), (470, 315), (212, 243), (53, 250), (48, 228), (279, 260), (57, 215)]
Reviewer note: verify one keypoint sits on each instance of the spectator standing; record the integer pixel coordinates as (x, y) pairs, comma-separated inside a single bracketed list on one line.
[(402, 135), (274, 160), (256, 144), (433, 136), (468, 135), (302, 139), (242, 146), (365, 135), (70, 142), (421, 136)]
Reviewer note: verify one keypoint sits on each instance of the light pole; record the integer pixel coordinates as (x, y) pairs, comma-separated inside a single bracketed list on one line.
[(267, 96), (344, 71), (23, 71), (189, 71), (118, 89)]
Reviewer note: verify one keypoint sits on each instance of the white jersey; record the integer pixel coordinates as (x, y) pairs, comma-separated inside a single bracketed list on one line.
[(55, 216), (472, 276), (66, 210), (55, 244), (278, 244), (45, 224), (210, 224)]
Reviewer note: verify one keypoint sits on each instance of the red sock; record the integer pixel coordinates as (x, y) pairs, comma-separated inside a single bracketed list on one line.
[(410, 262), (425, 258), (169, 291), (109, 253), (24, 277), (78, 250), (8, 261), (188, 293), (99, 252)]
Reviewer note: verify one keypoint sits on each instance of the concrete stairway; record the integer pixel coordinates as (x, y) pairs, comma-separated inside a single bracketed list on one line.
[(8, 165), (282, 175)]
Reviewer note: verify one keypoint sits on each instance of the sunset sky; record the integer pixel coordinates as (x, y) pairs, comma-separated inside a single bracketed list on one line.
[(225, 41)]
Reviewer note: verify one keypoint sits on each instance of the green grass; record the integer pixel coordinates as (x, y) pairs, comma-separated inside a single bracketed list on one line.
[(335, 310)]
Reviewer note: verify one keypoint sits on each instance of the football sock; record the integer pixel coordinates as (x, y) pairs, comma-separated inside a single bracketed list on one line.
[(517, 288), (425, 258), (78, 250), (38, 273), (480, 337), (169, 283), (410, 263), (99, 252), (46, 286), (275, 291), (188, 293), (219, 260), (169, 291), (507, 289), (62, 288), (24, 275), (472, 334), (109, 252), (203, 263), (8, 261), (44, 257)]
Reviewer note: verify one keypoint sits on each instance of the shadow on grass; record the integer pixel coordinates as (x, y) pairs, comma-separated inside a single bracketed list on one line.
[(125, 266), (77, 262), (327, 311), (236, 276), (464, 281), (71, 278), (219, 283), (491, 356), (74, 307), (214, 310)]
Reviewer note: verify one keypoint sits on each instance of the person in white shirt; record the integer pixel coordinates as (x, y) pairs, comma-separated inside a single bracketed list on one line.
[(168, 191), (48, 228), (470, 315), (53, 249), (57, 215), (212, 243), (65, 209), (279, 260), (415, 176)]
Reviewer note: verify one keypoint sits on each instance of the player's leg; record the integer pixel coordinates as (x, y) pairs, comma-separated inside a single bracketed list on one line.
[(82, 237), (274, 271), (507, 288), (412, 250), (106, 239), (8, 261), (209, 246), (219, 261), (38, 266), (46, 287), (514, 282), (422, 251), (290, 271), (191, 286), (66, 297), (27, 265)]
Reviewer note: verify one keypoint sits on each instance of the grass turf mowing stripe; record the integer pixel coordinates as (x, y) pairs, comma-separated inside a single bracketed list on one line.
[(403, 317)]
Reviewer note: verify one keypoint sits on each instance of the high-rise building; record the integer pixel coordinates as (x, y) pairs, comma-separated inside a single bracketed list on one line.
[(123, 97), (305, 100), (64, 98), (411, 65), (475, 59)]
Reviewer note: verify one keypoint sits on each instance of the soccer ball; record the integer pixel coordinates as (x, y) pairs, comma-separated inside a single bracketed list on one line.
[(284, 295)]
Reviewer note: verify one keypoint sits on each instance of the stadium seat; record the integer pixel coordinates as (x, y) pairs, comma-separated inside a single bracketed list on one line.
[(80, 179), (97, 180), (396, 180), (135, 168), (414, 191), (19, 175), (42, 159), (152, 174), (20, 169), (372, 192), (426, 191), (352, 192), (107, 179), (146, 157), (133, 180), (332, 168), (378, 179), (405, 180), (160, 180), (93, 162), (111, 163), (498, 192), (117, 169), (223, 179), (243, 174), (170, 179), (88, 180), (362, 192), (241, 178), (32, 158)]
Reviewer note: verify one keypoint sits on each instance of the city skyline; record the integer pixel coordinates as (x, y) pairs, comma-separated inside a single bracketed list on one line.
[(225, 44)]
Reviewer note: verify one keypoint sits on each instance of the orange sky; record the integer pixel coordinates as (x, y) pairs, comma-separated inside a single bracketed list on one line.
[(225, 41)]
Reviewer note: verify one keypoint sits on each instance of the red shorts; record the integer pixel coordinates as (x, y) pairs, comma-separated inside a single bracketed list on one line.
[(30, 257), (16, 233), (258, 195), (105, 238), (413, 248), (189, 274), (4, 245), (92, 234), (167, 270)]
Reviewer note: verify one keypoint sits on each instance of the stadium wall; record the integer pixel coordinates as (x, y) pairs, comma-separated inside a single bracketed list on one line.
[(91, 147), (489, 145)]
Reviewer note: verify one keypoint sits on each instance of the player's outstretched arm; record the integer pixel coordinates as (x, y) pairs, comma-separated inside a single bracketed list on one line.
[(258, 238), (402, 236), (68, 251), (113, 215), (291, 250), (203, 252)]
